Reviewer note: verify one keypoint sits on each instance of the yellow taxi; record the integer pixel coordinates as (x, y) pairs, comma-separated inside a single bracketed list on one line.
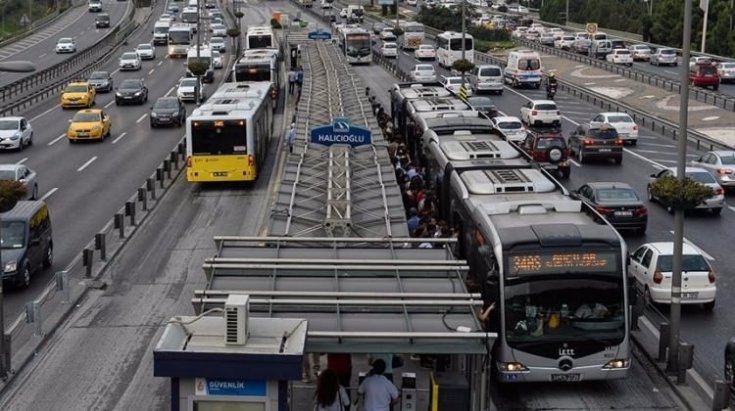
[(89, 124), (78, 94)]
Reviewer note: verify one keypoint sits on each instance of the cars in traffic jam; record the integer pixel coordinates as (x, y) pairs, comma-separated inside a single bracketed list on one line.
[(549, 149), (616, 202), (89, 124), (131, 91), (16, 133), (66, 45), (596, 142), (168, 111), (24, 175), (78, 94), (101, 81), (713, 203), (721, 164), (130, 61)]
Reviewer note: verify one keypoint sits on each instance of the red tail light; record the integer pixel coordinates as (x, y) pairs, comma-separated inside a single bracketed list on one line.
[(558, 113), (602, 210), (534, 112), (635, 127), (658, 277), (719, 191), (251, 160), (588, 141), (618, 142), (711, 277), (188, 161), (640, 211), (724, 171)]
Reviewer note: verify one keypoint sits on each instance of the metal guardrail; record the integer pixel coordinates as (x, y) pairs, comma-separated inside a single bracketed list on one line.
[(29, 90), (40, 24), (702, 95)]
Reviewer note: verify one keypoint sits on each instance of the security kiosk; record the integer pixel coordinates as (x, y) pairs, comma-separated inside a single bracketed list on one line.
[(230, 360)]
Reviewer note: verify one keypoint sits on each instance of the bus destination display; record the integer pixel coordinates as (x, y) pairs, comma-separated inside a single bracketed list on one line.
[(562, 262)]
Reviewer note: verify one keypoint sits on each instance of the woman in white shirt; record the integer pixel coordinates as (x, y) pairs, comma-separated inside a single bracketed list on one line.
[(329, 395)]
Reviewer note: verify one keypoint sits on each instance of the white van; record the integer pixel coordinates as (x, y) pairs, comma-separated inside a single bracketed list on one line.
[(355, 12), (193, 3), (487, 78), (160, 33), (523, 68), (599, 36), (600, 49)]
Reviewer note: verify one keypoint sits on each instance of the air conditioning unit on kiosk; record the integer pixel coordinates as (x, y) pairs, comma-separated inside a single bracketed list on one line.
[(236, 319)]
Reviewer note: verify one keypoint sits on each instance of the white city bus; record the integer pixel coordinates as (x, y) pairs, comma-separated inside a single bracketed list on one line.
[(449, 48), (356, 45), (413, 34), (179, 39)]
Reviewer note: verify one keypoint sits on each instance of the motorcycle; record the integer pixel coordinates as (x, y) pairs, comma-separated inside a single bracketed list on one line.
[(550, 91)]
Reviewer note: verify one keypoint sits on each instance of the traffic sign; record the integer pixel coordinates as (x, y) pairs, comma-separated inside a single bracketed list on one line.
[(24, 20), (320, 34), (341, 131), (591, 28)]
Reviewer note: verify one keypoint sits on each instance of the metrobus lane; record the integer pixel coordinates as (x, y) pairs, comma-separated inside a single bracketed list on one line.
[(660, 223)]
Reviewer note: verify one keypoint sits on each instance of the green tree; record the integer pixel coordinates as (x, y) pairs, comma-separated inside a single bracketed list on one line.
[(552, 11), (681, 195), (11, 192), (463, 65)]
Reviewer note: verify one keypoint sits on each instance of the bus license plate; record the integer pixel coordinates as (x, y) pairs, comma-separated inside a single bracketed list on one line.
[(565, 377), (220, 173)]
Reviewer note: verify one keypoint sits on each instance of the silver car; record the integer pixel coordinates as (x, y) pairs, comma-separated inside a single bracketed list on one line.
[(714, 203), (721, 164), (146, 51), (640, 52), (22, 174), (15, 133), (130, 61), (726, 71), (664, 55)]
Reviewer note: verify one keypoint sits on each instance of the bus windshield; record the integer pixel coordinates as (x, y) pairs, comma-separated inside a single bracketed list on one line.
[(414, 28), (210, 137), (179, 37), (189, 17), (259, 41), (584, 306), (252, 72), (357, 45)]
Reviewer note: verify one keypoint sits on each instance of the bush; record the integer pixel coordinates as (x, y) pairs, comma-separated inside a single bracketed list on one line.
[(198, 68), (10, 192), (276, 24), (680, 195), (463, 65), (484, 33)]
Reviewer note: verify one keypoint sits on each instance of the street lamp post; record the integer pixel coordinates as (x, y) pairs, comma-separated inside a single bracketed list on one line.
[(464, 32), (704, 5), (197, 91), (675, 311)]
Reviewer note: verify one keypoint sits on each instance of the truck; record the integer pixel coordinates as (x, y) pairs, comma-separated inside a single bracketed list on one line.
[(160, 32)]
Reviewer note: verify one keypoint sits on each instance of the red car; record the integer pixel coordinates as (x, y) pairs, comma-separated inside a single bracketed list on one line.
[(704, 74)]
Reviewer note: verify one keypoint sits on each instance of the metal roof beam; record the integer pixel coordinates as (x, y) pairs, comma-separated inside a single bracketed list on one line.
[(339, 196)]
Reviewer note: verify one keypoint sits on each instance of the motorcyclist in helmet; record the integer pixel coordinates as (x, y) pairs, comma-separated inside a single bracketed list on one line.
[(551, 81)]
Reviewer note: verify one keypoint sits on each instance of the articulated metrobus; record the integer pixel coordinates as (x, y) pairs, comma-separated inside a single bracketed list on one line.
[(227, 138), (413, 34), (356, 45), (554, 267), (449, 48), (260, 37), (259, 65)]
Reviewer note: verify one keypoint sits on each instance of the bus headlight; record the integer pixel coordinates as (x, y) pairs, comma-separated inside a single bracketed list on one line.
[(615, 364), (511, 367)]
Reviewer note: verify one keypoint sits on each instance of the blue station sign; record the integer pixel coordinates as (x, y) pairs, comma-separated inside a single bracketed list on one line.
[(320, 34), (341, 132), (206, 386)]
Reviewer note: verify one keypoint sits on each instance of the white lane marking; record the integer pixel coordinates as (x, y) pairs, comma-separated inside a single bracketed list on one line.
[(704, 253), (109, 104), (731, 208), (117, 70), (90, 161), (660, 145), (159, 63), (171, 90), (655, 165), (141, 118), (50, 192), (648, 151), (150, 72), (123, 134), (23, 160), (44, 113), (42, 55), (575, 163), (52, 142)]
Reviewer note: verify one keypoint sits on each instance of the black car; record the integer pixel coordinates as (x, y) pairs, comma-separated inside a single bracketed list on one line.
[(131, 91), (730, 367), (101, 81), (484, 105), (168, 111), (618, 203), (102, 21), (601, 142)]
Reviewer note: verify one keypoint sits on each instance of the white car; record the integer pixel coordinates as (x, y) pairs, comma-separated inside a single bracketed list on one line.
[(511, 127), (130, 61), (652, 264), (622, 122), (425, 51), (166, 17), (325, 4), (218, 30), (66, 45), (564, 42), (344, 13), (186, 90), (541, 112), (15, 133), (389, 50), (387, 35), (453, 84), (423, 73), (22, 174), (640, 52), (664, 55), (146, 51), (620, 56), (726, 71), (412, 2), (218, 44), (217, 61), (693, 61), (519, 32)]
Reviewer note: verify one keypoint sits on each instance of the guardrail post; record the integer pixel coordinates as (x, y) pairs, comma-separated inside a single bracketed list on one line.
[(174, 159), (664, 331), (721, 395), (100, 244), (159, 175), (62, 284), (119, 221), (130, 211), (88, 261), (143, 198), (686, 360), (151, 186), (167, 168), (37, 318)]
